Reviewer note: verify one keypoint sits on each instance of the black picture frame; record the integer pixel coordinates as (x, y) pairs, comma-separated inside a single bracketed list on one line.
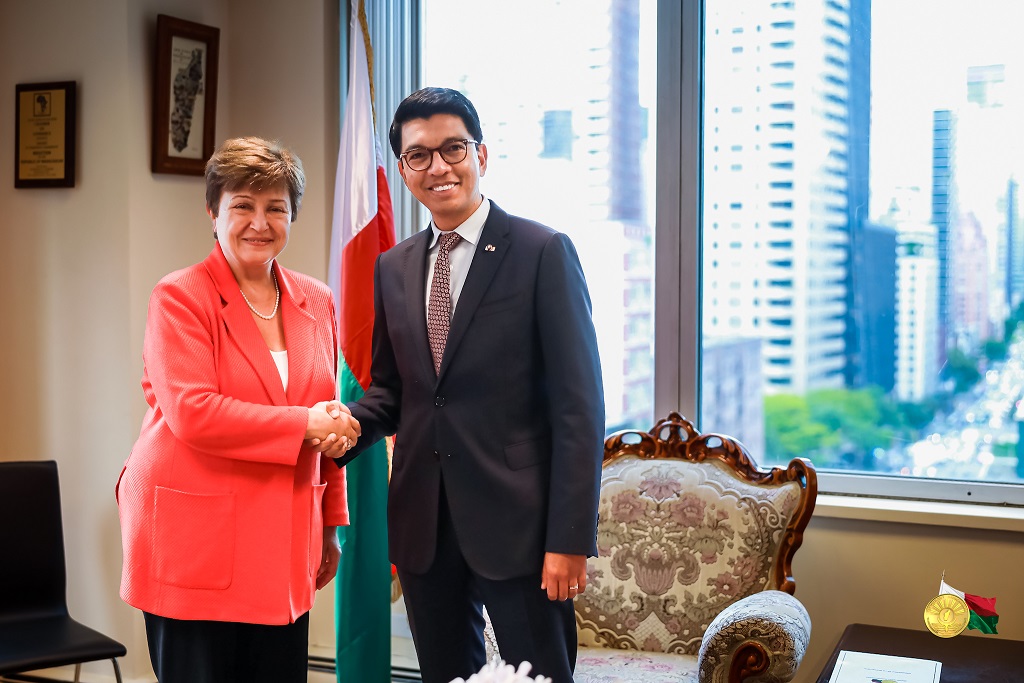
[(45, 134), (184, 95)]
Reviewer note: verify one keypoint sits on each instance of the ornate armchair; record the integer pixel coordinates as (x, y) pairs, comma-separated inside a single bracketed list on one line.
[(693, 581)]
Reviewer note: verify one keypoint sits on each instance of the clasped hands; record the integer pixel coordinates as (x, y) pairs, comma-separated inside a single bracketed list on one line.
[(331, 429)]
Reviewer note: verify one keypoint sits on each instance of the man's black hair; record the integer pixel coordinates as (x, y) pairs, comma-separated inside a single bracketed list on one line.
[(426, 102)]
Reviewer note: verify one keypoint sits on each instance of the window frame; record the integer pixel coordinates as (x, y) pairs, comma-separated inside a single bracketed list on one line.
[(678, 221), (678, 278)]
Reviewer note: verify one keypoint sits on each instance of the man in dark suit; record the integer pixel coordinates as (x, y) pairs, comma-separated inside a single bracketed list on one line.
[(485, 364)]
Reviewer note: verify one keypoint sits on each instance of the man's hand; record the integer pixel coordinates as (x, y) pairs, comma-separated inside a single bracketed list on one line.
[(331, 557), (563, 576), (331, 427), (338, 447)]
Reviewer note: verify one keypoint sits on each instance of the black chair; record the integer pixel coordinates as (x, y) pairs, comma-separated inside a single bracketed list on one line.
[(36, 631)]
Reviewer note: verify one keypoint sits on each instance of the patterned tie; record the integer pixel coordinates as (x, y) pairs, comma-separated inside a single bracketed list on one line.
[(439, 305)]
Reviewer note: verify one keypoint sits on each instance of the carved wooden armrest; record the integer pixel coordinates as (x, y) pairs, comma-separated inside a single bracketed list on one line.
[(763, 635)]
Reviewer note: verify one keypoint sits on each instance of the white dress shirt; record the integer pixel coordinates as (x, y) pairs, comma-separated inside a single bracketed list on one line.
[(281, 361), (461, 255)]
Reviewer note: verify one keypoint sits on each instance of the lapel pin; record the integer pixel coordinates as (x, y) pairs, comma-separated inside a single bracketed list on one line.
[(489, 247)]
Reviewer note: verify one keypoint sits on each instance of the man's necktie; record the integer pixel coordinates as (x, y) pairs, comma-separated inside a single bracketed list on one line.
[(439, 305)]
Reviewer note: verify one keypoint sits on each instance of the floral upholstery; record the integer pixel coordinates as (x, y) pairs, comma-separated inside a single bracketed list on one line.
[(692, 581), (678, 542), (773, 619), (601, 665), (694, 543)]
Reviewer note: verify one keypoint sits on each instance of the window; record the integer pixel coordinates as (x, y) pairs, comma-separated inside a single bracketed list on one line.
[(881, 271), (569, 129), (892, 174)]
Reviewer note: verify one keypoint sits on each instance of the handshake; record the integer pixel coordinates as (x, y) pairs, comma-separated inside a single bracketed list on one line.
[(331, 429)]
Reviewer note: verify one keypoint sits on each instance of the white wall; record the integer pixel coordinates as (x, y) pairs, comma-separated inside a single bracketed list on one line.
[(884, 572), (77, 266)]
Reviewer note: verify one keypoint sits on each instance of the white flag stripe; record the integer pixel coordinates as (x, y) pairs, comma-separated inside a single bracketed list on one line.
[(946, 589), (355, 185)]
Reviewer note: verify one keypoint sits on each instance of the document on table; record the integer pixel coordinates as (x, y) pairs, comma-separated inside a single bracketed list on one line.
[(867, 667)]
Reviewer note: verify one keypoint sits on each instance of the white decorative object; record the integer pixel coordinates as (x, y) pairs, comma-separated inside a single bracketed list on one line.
[(500, 672)]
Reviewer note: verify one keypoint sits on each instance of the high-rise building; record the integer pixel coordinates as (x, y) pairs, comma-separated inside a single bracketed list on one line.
[(1015, 245), (917, 269), (575, 155), (986, 85), (990, 158), (731, 400), (969, 265), (777, 163), (945, 209), (862, 273), (876, 244)]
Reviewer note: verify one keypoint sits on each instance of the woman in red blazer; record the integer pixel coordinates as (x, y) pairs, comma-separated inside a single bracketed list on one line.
[(228, 514)]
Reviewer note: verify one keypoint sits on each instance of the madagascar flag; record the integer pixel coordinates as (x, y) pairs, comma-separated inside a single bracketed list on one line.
[(983, 610), (363, 227)]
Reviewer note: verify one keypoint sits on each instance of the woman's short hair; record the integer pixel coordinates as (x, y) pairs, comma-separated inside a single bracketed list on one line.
[(256, 163)]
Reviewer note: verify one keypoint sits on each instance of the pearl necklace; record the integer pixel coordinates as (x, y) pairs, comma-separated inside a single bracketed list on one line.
[(277, 302)]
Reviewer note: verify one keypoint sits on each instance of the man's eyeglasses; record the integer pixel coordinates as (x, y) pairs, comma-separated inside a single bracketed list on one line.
[(452, 152)]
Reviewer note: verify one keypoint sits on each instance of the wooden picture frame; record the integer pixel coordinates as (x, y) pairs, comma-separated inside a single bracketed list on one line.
[(184, 95), (44, 134)]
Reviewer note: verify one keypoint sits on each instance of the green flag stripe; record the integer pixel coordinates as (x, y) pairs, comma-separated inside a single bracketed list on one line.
[(348, 385), (363, 607), (983, 624)]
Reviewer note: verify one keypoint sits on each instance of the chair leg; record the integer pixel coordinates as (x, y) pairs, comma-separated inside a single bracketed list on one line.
[(117, 669), (78, 671)]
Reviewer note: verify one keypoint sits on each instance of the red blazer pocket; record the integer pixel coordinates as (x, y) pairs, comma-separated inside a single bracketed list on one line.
[(194, 539)]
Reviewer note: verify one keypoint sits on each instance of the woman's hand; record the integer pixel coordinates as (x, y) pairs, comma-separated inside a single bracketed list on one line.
[(331, 428), (339, 447), (331, 557)]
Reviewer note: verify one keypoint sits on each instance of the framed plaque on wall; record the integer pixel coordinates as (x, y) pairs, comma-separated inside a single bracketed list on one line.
[(44, 134), (184, 95)]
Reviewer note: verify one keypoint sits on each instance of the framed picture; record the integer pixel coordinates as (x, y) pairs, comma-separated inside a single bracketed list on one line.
[(184, 95), (44, 134)]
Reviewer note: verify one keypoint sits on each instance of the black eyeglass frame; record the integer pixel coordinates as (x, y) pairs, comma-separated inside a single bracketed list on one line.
[(432, 150)]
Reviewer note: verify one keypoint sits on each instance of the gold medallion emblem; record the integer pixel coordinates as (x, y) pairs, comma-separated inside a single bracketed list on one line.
[(946, 615)]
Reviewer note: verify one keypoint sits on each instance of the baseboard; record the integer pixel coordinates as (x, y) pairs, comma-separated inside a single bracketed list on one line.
[(67, 675), (405, 668), (400, 625), (321, 670)]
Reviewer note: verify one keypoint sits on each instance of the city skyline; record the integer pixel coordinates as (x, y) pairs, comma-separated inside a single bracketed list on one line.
[(821, 135), (920, 61)]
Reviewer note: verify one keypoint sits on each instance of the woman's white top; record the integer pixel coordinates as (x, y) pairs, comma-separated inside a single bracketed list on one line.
[(281, 361)]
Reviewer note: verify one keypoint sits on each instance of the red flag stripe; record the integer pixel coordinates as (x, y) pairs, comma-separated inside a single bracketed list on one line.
[(985, 607), (358, 258)]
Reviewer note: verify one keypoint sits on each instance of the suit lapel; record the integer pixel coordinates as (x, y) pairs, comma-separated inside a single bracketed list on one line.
[(415, 260), (241, 328), (485, 264), (300, 337)]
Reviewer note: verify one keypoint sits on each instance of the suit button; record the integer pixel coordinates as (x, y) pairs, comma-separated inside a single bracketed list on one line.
[(439, 401), (437, 456)]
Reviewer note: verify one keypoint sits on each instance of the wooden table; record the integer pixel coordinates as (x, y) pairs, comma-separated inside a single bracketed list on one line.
[(965, 658)]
